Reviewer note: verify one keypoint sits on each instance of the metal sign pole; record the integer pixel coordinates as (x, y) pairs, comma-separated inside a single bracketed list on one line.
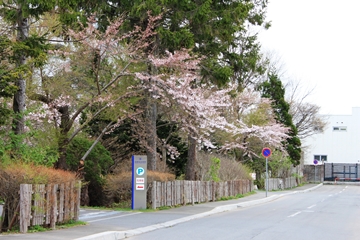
[(315, 163), (266, 152), (267, 178)]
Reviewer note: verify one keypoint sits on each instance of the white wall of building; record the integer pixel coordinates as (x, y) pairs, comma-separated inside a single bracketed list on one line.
[(340, 142)]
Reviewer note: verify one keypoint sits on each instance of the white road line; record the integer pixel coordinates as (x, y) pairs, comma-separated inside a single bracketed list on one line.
[(102, 219), (295, 214), (312, 206)]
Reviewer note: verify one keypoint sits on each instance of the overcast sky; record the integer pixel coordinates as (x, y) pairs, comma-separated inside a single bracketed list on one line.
[(318, 43)]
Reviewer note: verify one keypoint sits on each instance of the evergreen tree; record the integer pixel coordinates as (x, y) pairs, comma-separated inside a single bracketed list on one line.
[(273, 89), (7, 86), (20, 15)]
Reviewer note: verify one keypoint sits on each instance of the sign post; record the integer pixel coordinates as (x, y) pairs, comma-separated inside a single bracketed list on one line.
[(266, 152), (315, 163), (139, 182)]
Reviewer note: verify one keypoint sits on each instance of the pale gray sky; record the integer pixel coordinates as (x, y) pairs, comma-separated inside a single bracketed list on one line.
[(318, 42)]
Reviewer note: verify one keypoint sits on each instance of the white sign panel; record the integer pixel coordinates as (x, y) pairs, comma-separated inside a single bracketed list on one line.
[(140, 180)]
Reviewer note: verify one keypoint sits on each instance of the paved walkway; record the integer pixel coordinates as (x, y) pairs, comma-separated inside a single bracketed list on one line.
[(166, 218)]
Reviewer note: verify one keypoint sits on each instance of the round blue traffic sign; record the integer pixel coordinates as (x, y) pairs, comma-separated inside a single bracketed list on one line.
[(266, 152), (315, 161)]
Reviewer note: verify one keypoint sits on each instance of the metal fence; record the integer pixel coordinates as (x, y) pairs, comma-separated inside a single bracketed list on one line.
[(341, 172)]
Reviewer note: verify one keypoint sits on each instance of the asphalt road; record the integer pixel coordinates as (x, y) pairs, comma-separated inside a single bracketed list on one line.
[(330, 212)]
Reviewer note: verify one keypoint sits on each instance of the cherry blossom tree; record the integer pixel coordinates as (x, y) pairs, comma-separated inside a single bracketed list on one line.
[(201, 109), (95, 71), (89, 75)]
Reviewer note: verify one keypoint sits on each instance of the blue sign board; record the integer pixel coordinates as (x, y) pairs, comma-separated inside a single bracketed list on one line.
[(266, 152)]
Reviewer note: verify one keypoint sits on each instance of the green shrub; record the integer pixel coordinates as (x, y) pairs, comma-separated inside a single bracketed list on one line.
[(97, 164), (220, 167), (214, 169), (17, 148)]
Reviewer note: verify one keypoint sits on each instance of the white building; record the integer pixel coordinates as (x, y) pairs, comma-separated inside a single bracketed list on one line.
[(339, 143)]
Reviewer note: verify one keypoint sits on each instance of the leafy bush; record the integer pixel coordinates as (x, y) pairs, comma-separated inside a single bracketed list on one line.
[(214, 169), (230, 169), (18, 148), (97, 164), (280, 165)]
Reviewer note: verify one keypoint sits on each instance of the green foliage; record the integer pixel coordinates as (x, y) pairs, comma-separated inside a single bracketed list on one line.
[(6, 89), (15, 148), (279, 165), (260, 183), (5, 113), (218, 166), (34, 46), (257, 165), (97, 164), (274, 90), (70, 223), (216, 29), (177, 40), (37, 228), (258, 116), (7, 86), (214, 169)]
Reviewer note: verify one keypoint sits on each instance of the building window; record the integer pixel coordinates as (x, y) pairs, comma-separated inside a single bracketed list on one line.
[(340, 129), (322, 158)]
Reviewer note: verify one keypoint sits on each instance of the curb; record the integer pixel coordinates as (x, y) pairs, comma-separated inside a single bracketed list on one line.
[(115, 235)]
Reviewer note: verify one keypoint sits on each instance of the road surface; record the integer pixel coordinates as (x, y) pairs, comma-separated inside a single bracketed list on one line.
[(331, 212)]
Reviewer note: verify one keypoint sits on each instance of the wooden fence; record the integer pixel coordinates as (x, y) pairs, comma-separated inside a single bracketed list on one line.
[(42, 204), (183, 192), (281, 183)]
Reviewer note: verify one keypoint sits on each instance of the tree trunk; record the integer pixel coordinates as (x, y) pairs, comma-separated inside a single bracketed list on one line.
[(62, 148), (192, 159), (151, 136), (151, 116), (163, 152), (20, 95), (63, 140)]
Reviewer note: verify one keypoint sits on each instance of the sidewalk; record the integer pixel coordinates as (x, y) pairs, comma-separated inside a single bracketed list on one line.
[(151, 221)]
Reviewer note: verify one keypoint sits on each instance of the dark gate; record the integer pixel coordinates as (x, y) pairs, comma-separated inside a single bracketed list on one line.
[(341, 172)]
